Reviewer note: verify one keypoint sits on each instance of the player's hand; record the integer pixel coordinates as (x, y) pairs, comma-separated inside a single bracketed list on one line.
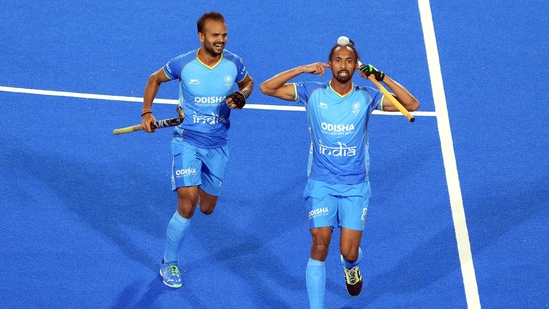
[(369, 69), (236, 100), (147, 121), (315, 68)]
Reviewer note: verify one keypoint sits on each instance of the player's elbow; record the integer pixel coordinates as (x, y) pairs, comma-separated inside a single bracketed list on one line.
[(265, 89), (274, 90), (410, 103), (413, 105), (158, 77)]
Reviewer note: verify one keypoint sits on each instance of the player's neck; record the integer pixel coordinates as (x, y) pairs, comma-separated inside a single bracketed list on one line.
[(341, 88), (207, 58)]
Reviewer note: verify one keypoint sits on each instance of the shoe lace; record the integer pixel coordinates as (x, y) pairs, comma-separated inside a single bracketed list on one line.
[(174, 271), (352, 275)]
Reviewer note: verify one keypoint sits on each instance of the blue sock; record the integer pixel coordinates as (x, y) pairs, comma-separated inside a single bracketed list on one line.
[(316, 283), (177, 228), (355, 263)]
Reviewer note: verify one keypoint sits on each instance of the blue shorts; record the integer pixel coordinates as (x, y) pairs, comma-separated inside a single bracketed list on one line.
[(196, 166), (337, 205)]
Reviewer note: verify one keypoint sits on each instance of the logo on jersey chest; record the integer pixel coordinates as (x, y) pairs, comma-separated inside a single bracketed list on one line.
[(229, 82), (342, 150), (202, 101), (210, 119), (337, 129), (355, 109)]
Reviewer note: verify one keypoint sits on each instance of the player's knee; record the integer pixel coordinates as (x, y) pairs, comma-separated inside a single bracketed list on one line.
[(185, 208), (206, 202), (320, 246), (319, 251), (350, 255), (206, 208), (321, 241), (207, 211), (185, 212)]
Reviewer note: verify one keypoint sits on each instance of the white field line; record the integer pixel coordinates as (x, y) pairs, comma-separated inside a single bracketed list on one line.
[(449, 158), (169, 101)]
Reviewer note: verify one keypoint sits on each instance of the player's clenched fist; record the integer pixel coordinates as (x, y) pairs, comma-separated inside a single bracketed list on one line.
[(236, 100)]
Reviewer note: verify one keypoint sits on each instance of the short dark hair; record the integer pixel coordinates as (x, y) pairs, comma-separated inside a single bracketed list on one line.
[(351, 46), (210, 15)]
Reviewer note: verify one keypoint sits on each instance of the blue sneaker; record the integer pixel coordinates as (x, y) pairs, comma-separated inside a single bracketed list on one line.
[(171, 275)]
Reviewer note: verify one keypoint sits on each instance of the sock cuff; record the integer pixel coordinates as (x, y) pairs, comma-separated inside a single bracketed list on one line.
[(355, 263), (315, 262), (359, 258), (177, 217)]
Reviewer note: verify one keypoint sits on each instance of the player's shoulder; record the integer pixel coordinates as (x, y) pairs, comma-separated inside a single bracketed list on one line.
[(365, 89), (186, 57), (232, 57), (175, 66), (308, 89), (313, 84)]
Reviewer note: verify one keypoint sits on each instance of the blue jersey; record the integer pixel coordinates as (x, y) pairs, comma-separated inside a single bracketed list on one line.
[(339, 130), (202, 94)]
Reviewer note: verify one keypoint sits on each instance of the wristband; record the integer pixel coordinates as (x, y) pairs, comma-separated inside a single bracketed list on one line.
[(145, 113)]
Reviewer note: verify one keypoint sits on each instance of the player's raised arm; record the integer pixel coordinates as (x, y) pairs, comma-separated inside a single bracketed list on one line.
[(403, 96), (278, 86)]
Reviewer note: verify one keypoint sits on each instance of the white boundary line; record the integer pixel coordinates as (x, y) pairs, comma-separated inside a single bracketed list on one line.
[(169, 101), (449, 158)]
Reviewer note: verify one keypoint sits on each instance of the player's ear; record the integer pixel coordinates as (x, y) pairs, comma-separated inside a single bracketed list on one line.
[(201, 37)]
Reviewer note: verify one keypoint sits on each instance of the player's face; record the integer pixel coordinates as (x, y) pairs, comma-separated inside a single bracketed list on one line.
[(343, 64), (214, 37)]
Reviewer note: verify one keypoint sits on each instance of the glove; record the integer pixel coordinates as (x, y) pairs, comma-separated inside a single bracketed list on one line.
[(239, 99), (368, 69)]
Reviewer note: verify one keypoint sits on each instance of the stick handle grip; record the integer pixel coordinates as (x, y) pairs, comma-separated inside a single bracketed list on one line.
[(127, 129), (171, 122), (393, 100)]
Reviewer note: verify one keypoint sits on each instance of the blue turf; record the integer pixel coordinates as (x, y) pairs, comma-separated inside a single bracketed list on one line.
[(83, 213)]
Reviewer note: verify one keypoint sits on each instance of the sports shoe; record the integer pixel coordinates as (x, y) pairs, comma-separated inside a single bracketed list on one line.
[(171, 275), (353, 280)]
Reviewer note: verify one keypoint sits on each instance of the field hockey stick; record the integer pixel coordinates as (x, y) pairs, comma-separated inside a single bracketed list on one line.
[(344, 41), (391, 98), (171, 122)]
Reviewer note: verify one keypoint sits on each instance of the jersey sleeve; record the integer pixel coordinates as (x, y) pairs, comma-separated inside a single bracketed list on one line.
[(241, 69), (376, 96), (173, 68), (303, 90)]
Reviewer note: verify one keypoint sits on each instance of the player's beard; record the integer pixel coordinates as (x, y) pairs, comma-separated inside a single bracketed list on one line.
[(343, 79), (210, 49)]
